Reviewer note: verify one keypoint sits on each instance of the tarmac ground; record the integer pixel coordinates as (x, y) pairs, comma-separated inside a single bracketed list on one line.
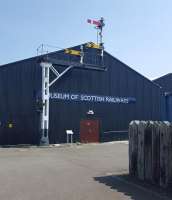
[(77, 172)]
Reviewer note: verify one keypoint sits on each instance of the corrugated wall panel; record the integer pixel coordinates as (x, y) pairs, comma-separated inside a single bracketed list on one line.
[(165, 82), (19, 83)]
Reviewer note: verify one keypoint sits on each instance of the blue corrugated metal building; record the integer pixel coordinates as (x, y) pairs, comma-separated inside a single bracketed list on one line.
[(117, 95), (165, 82)]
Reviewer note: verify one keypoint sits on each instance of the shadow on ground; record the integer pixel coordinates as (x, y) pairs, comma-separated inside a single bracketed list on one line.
[(133, 188)]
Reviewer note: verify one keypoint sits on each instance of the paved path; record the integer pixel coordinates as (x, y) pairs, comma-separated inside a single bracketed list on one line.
[(83, 172)]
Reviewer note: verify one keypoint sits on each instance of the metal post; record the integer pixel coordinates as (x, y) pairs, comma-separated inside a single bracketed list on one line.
[(82, 54), (44, 139), (67, 138), (69, 134), (102, 24), (71, 138)]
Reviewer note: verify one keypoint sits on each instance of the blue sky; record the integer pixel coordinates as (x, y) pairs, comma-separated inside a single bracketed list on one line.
[(137, 32)]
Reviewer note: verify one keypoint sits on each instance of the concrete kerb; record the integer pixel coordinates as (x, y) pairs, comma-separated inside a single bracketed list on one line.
[(62, 145)]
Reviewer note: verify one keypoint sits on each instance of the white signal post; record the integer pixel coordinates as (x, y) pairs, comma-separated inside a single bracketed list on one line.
[(102, 24), (100, 27), (46, 84), (45, 103)]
